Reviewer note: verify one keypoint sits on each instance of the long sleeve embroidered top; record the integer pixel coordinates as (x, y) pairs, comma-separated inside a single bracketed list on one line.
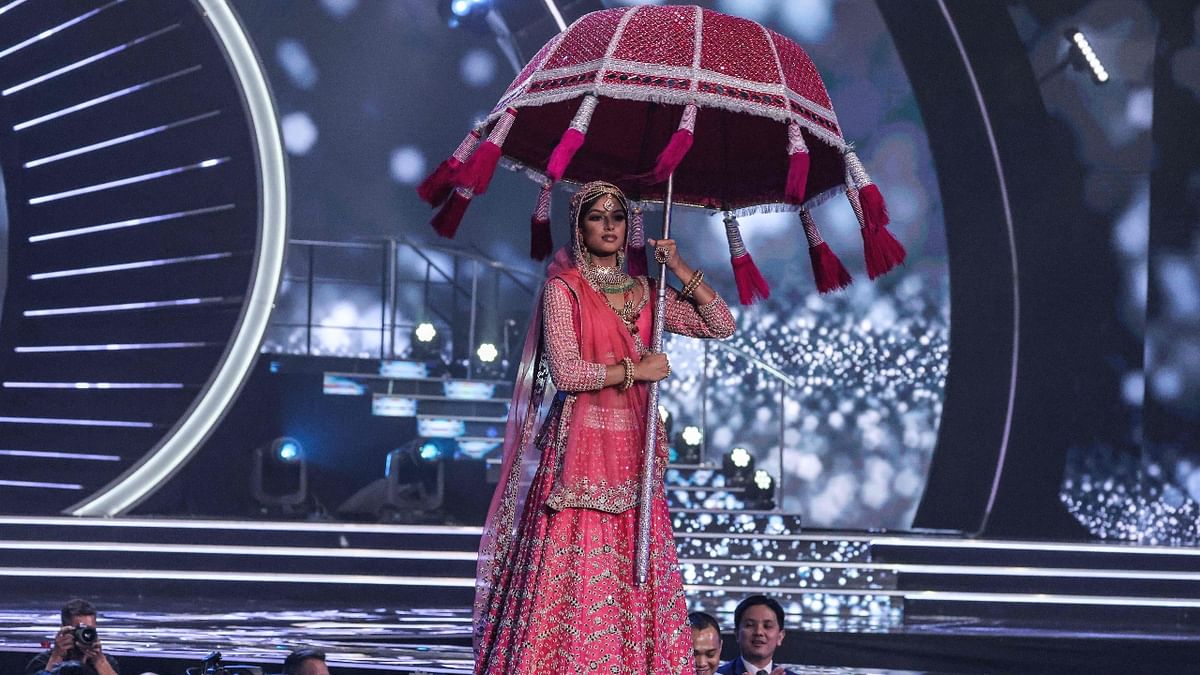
[(571, 373)]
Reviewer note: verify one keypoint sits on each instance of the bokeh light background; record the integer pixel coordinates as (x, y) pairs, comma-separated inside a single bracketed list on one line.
[(375, 92)]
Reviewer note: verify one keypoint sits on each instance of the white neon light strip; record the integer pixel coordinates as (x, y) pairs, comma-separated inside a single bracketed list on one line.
[(959, 570), (1117, 548), (222, 549), (60, 27), (104, 98), (122, 182), (93, 385), (132, 222), (115, 347), (12, 5), (159, 464), (258, 577), (967, 596), (241, 526), (86, 61), (119, 140), (43, 454), (558, 17), (123, 267), (72, 422), (123, 307), (40, 485)]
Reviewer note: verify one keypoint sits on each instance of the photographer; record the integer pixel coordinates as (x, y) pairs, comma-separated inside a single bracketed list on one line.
[(76, 646)]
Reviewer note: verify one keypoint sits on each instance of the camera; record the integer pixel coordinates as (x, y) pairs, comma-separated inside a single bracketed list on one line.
[(85, 636)]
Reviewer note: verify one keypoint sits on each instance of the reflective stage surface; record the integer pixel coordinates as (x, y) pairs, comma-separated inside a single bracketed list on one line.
[(166, 636)]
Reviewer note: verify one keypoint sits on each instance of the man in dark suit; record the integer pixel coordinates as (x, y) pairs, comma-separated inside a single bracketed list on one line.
[(758, 621)]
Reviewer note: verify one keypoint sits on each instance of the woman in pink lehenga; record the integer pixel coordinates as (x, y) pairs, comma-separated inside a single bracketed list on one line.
[(556, 590)]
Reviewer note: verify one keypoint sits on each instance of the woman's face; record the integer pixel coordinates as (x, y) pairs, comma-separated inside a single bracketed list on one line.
[(603, 226)]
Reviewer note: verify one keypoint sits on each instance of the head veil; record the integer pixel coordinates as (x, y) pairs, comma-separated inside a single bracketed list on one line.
[(520, 456)]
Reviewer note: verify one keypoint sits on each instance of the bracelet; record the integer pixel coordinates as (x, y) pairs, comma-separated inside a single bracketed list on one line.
[(691, 286), (628, 363)]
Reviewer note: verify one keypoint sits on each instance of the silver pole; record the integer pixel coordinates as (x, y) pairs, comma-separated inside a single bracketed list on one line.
[(646, 492), (783, 390), (474, 305), (704, 404)]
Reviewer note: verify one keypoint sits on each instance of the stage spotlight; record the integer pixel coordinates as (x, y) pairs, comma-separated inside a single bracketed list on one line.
[(425, 332), (425, 343), (429, 451), (688, 444), (1083, 57), (760, 493), (286, 449), (465, 13), (279, 477), (738, 467), (487, 352)]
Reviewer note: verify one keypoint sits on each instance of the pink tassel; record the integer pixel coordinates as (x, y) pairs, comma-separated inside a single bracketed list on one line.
[(437, 186), (677, 148), (446, 221), (798, 165), (830, 273), (880, 248), (635, 253), (882, 251), (797, 178), (750, 282), (541, 241), (572, 139), (874, 209), (477, 173)]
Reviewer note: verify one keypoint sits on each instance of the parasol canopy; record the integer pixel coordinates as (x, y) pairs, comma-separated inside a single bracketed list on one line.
[(735, 113)]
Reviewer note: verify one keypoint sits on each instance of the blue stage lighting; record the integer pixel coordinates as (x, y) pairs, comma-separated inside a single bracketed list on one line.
[(430, 451), (287, 450)]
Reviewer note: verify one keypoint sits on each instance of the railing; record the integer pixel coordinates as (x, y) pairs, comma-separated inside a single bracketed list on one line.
[(399, 283), (786, 383), (413, 282)]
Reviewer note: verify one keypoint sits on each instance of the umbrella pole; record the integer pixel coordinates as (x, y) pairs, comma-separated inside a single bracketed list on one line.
[(646, 489)]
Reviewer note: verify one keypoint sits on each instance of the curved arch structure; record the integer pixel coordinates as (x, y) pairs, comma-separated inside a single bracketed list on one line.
[(147, 195)]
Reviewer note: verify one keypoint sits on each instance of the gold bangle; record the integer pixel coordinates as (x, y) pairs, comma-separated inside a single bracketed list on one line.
[(690, 287), (628, 363)]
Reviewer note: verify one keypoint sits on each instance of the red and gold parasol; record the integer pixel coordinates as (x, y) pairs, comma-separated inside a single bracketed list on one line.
[(674, 104)]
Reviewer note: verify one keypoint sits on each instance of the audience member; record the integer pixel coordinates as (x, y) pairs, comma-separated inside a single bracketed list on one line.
[(706, 643), (758, 621), (76, 647), (305, 662)]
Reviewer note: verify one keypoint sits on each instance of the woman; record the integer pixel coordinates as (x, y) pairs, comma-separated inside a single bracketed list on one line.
[(556, 590)]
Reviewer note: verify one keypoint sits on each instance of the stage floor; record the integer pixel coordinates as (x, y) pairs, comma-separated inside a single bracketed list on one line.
[(429, 640)]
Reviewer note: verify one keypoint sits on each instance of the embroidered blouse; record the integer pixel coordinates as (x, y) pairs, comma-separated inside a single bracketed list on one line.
[(571, 373)]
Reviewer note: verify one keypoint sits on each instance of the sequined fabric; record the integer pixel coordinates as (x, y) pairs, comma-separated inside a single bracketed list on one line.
[(645, 66), (564, 599), (570, 604)]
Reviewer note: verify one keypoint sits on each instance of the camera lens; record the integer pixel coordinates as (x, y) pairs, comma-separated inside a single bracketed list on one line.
[(85, 635)]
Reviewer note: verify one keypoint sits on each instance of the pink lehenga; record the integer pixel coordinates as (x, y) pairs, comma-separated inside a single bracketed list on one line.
[(556, 591)]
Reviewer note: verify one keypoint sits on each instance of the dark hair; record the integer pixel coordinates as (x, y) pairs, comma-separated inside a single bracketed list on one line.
[(291, 665), (756, 600), (76, 607), (702, 620)]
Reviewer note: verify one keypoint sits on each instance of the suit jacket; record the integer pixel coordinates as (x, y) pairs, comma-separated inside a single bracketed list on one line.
[(732, 668)]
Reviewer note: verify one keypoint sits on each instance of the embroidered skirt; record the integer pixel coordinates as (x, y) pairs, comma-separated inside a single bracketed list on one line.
[(567, 602)]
